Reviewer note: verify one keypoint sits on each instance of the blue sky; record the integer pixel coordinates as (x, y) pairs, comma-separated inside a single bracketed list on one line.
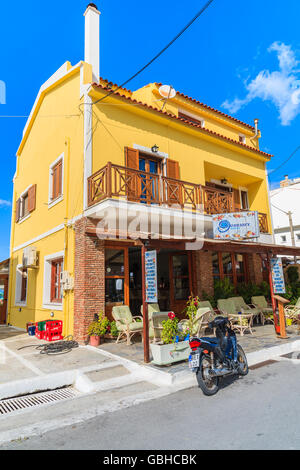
[(240, 57)]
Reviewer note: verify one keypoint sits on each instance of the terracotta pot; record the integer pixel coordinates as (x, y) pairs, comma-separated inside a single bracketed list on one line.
[(95, 341)]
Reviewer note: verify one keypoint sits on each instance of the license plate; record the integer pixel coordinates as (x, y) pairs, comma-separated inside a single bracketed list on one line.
[(194, 361)]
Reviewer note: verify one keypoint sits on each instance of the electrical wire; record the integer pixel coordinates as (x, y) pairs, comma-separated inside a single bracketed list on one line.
[(157, 55), (286, 161)]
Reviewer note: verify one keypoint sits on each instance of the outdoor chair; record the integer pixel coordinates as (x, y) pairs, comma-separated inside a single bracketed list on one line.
[(244, 308), (202, 318), (151, 309), (266, 309), (206, 303), (157, 319), (239, 321), (127, 325)]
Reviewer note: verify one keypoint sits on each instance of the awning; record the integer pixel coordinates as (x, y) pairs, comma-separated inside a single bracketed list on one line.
[(209, 244)]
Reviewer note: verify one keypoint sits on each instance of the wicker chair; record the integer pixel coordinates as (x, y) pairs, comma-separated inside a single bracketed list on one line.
[(127, 325), (240, 322)]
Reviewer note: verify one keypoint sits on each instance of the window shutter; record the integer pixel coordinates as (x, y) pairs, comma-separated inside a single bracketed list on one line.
[(132, 158), (133, 183), (18, 206), (174, 187), (31, 198), (172, 169), (236, 199)]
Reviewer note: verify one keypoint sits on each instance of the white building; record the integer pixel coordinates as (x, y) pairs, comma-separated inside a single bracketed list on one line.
[(285, 206)]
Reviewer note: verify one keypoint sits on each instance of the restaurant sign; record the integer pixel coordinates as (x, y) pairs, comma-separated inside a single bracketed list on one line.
[(236, 226), (151, 277), (277, 276)]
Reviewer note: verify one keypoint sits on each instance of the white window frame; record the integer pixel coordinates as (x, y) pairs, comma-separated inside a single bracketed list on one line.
[(47, 304), (243, 137), (22, 219), (18, 287), (245, 190), (53, 202), (283, 238), (193, 116)]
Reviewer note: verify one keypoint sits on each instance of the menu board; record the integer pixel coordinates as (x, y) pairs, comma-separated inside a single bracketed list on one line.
[(277, 276), (151, 277)]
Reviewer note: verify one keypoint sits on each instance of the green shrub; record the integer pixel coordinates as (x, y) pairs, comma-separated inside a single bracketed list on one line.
[(224, 289), (292, 274)]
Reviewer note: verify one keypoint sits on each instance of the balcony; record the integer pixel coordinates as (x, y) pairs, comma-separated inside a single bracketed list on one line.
[(115, 181)]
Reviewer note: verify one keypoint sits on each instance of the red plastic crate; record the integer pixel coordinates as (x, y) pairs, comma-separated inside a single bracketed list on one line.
[(51, 324), (39, 334), (53, 336)]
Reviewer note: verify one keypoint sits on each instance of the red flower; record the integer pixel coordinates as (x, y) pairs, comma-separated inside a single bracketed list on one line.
[(171, 315), (196, 304)]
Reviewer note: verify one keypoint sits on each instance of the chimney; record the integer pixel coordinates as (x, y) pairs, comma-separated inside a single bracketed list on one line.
[(285, 182), (92, 39)]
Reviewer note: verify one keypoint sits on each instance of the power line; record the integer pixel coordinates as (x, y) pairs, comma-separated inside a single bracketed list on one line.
[(286, 161), (159, 54)]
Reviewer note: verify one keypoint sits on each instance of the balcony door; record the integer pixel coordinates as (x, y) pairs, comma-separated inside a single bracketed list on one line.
[(150, 181)]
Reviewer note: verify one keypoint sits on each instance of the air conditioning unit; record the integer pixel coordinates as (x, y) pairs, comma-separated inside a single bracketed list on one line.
[(30, 257), (66, 280)]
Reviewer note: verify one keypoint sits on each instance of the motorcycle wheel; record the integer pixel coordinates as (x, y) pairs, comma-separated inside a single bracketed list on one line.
[(209, 385), (242, 360)]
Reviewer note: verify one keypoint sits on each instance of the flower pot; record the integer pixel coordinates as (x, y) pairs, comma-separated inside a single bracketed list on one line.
[(95, 341), (164, 354)]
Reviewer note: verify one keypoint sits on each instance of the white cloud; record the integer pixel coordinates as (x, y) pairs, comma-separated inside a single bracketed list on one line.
[(4, 203), (281, 87)]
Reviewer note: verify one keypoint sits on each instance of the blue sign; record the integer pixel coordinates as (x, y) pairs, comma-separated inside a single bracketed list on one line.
[(236, 226), (151, 277), (277, 276)]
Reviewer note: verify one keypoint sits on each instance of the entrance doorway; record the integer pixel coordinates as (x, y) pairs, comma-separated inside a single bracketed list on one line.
[(123, 279), (3, 298)]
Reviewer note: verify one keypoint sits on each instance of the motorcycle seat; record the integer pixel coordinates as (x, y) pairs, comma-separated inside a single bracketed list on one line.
[(210, 340)]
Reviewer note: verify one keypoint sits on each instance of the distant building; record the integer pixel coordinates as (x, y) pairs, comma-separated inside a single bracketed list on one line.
[(286, 212)]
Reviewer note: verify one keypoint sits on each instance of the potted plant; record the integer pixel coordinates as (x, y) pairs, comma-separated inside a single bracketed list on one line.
[(112, 331), (97, 329), (174, 345)]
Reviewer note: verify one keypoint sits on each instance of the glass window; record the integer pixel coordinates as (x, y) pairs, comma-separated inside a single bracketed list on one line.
[(56, 293), (227, 264), (181, 277), (114, 262), (114, 290), (230, 265)]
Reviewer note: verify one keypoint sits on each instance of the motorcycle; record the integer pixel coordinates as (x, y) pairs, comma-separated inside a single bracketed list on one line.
[(215, 357)]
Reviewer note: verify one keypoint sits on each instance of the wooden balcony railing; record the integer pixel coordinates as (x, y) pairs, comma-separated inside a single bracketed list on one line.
[(150, 188)]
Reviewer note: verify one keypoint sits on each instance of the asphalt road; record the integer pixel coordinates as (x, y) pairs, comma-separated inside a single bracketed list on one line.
[(260, 411)]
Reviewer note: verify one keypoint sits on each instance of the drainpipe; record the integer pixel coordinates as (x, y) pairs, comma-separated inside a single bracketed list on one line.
[(66, 237), (12, 241)]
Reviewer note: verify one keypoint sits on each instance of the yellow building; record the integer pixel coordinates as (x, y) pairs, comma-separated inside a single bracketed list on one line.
[(84, 163)]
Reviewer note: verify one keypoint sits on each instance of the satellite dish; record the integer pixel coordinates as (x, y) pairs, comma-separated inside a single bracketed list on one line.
[(167, 92)]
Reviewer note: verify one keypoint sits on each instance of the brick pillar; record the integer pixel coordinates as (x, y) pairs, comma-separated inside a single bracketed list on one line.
[(255, 268), (89, 287), (204, 273)]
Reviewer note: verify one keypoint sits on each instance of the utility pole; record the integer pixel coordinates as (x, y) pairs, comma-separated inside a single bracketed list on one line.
[(289, 214)]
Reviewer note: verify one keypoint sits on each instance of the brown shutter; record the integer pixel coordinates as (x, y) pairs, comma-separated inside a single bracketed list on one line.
[(174, 187), (236, 200), (18, 205), (133, 181), (172, 169), (31, 198)]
